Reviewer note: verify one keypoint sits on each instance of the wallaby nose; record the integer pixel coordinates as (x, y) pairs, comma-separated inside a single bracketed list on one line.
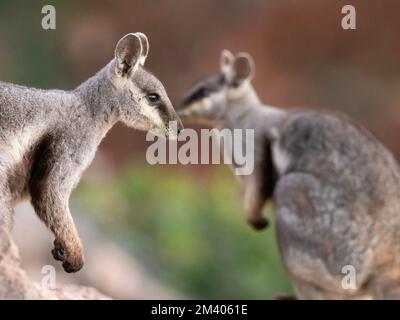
[(174, 117), (180, 127)]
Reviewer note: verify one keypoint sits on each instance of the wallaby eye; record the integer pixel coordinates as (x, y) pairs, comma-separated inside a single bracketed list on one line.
[(153, 98), (200, 94), (203, 92)]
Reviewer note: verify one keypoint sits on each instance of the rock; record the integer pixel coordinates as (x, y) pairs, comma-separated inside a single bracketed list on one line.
[(74, 292), (15, 284), (109, 267)]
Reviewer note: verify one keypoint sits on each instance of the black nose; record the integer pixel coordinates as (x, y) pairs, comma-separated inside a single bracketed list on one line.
[(179, 130)]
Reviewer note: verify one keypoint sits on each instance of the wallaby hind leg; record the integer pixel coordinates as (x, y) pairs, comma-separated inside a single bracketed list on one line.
[(386, 281), (317, 237), (389, 290)]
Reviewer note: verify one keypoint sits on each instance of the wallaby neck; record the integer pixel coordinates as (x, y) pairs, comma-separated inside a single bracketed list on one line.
[(96, 95), (248, 107), (244, 95)]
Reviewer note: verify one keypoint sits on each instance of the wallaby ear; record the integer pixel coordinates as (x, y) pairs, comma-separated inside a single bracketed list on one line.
[(243, 67), (226, 61), (128, 54), (145, 47)]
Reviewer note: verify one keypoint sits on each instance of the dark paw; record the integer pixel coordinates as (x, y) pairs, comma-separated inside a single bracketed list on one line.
[(260, 224), (72, 260), (58, 253), (71, 267)]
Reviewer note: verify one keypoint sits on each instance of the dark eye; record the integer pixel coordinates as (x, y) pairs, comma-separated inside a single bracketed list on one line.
[(153, 98), (203, 92), (200, 94)]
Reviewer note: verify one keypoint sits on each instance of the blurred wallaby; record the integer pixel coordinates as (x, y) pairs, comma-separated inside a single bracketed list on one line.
[(335, 187), (48, 137)]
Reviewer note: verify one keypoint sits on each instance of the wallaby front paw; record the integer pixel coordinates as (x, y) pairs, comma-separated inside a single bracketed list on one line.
[(58, 252), (259, 224), (72, 259), (72, 266)]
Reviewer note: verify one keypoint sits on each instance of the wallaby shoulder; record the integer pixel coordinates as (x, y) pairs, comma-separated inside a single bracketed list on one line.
[(22, 107), (320, 142)]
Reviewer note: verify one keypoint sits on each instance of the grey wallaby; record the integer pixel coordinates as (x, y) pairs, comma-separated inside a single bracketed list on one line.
[(335, 187), (48, 137)]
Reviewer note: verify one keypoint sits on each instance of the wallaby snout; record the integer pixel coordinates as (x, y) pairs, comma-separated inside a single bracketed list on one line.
[(174, 127), (180, 127)]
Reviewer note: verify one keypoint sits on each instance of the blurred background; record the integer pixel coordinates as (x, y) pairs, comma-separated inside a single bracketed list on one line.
[(179, 231)]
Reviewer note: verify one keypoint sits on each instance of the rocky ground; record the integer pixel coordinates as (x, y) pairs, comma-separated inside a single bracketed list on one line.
[(15, 284), (25, 260)]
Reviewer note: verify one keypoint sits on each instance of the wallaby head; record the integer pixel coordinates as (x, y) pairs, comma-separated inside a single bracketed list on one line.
[(142, 101), (211, 98)]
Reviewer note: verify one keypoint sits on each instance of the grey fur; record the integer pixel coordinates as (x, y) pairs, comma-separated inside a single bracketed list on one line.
[(49, 137), (335, 188)]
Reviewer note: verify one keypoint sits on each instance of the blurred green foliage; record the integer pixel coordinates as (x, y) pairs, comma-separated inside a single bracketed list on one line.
[(189, 232), (33, 56)]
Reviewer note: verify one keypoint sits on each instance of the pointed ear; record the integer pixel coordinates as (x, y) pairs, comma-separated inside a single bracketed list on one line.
[(128, 53), (226, 61), (243, 68), (145, 47)]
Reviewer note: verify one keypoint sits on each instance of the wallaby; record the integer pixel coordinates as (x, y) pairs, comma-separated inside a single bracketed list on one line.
[(335, 187), (49, 137)]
